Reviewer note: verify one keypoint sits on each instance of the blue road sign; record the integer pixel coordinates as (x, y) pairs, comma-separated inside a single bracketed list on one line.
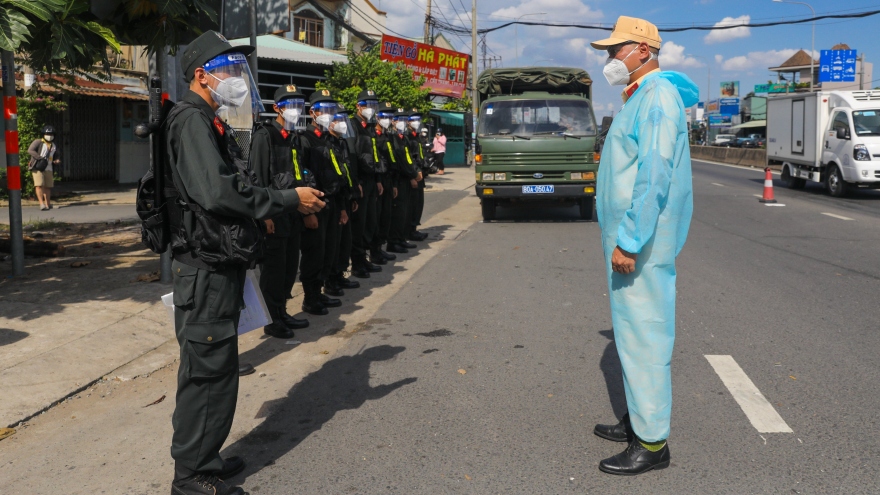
[(837, 66)]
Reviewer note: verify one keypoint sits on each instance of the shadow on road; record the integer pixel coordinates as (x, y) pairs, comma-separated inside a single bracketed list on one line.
[(10, 336), (342, 383), (613, 373)]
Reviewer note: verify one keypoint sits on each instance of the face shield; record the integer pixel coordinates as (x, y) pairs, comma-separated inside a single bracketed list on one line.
[(339, 126), (232, 86), (415, 122), (324, 112), (368, 108), (385, 119), (291, 110)]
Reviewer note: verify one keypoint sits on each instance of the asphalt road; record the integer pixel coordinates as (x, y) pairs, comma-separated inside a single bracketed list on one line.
[(488, 373)]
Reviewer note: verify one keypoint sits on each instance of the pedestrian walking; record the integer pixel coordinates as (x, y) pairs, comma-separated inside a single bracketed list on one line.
[(645, 201), (274, 148), (439, 150), (44, 157), (211, 200)]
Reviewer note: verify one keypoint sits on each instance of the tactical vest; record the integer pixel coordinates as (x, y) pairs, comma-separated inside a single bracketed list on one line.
[(287, 171)]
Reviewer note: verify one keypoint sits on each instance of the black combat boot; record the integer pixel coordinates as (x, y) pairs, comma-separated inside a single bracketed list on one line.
[(293, 323), (329, 302), (278, 330), (332, 288), (345, 283), (188, 482), (376, 257), (312, 300)]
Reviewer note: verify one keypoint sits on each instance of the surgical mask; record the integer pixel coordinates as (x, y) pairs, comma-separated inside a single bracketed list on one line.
[(367, 113), (400, 126), (231, 91), (616, 72), (385, 123), (340, 128), (324, 120), (48, 137), (415, 125), (290, 116)]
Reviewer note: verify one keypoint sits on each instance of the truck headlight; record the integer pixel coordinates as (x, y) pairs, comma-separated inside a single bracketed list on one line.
[(576, 176), (860, 153), (488, 176), (501, 176), (582, 176)]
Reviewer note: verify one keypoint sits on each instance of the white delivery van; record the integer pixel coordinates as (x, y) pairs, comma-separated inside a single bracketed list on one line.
[(832, 137)]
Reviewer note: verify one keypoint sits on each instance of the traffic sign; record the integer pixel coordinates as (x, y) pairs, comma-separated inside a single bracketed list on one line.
[(837, 66)]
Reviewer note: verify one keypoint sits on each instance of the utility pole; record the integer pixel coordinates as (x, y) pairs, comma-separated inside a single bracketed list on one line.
[(475, 95), (485, 48), (428, 40), (13, 169), (862, 71)]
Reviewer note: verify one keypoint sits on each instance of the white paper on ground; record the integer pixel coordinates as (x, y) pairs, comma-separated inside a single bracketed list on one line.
[(254, 315)]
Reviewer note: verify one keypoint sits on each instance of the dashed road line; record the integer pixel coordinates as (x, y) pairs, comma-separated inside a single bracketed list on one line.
[(717, 184), (839, 217), (760, 412)]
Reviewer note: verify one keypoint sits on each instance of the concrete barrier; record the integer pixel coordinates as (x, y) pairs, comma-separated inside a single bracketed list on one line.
[(735, 156)]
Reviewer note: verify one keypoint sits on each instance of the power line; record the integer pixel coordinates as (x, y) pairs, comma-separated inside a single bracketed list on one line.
[(363, 16)]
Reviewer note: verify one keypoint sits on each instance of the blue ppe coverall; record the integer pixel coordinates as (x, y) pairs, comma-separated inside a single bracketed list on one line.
[(644, 204)]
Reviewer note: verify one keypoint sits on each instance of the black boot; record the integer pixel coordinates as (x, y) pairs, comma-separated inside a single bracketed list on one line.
[(376, 258), (387, 256), (293, 323), (371, 267), (407, 245), (330, 302), (231, 466), (345, 283), (203, 484), (245, 369), (620, 432), (278, 330), (332, 288), (312, 301), (417, 236), (636, 459), (396, 248), (360, 272)]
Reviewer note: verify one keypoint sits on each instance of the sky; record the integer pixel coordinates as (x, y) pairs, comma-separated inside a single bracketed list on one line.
[(740, 54)]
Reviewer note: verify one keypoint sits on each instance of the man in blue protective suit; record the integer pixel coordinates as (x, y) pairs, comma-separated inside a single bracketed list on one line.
[(644, 203)]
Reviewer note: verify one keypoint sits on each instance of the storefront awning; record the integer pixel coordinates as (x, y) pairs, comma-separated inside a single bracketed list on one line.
[(750, 125), (277, 48)]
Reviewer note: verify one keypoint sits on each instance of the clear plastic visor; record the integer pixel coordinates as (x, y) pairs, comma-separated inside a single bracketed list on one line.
[(288, 107), (325, 107), (230, 70), (370, 104)]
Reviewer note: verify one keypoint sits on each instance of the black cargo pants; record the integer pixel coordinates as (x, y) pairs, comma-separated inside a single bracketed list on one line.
[(363, 224), (207, 308), (383, 212), (400, 211)]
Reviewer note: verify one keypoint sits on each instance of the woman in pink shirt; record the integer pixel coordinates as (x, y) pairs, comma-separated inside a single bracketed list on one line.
[(439, 150)]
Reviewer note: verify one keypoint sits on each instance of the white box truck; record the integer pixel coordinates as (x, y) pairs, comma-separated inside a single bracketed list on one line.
[(831, 137)]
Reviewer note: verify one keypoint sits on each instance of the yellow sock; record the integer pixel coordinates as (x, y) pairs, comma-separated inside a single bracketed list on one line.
[(653, 446)]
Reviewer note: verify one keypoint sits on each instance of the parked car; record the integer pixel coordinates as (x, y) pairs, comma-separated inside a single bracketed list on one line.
[(747, 142), (726, 140)]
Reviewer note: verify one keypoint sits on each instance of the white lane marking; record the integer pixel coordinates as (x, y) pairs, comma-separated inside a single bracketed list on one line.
[(760, 412), (839, 217), (758, 195), (741, 167), (717, 184)]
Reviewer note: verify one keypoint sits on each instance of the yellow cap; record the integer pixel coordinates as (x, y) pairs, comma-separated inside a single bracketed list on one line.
[(630, 29)]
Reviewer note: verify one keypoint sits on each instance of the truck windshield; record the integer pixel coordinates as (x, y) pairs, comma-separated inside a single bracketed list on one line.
[(531, 117), (867, 122)]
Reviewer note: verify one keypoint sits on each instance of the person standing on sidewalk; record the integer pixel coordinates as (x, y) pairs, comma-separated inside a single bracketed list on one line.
[(44, 154), (365, 160), (208, 296), (273, 151), (385, 184), (405, 180), (417, 138), (439, 150), (644, 197)]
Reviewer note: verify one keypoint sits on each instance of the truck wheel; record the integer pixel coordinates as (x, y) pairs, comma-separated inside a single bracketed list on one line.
[(792, 182), (488, 209), (835, 183), (586, 207)]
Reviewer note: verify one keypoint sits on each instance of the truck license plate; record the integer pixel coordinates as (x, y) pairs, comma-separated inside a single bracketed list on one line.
[(537, 189)]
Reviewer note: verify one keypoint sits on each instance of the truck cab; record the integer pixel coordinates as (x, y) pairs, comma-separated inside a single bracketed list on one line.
[(536, 145)]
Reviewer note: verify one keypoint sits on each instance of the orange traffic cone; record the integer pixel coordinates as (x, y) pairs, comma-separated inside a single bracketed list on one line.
[(768, 187)]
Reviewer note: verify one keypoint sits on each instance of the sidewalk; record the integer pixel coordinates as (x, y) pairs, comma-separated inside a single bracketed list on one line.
[(87, 193), (64, 328)]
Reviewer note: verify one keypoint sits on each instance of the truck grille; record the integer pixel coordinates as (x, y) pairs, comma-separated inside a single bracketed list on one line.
[(877, 174), (531, 175), (542, 160)]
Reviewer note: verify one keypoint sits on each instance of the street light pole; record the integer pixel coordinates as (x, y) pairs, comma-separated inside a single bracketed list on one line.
[(516, 34), (812, 42), (475, 94)]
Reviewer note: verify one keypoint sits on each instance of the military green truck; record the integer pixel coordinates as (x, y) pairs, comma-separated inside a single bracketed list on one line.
[(536, 139)]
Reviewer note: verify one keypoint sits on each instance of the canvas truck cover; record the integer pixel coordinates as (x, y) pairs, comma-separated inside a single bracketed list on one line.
[(558, 80)]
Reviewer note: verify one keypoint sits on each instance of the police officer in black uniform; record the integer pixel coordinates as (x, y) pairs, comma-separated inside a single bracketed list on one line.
[(406, 179), (384, 184), (338, 147), (367, 161), (417, 202), (208, 280), (274, 147), (316, 247)]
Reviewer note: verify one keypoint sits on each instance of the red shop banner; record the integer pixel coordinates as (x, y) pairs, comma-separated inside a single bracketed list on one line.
[(445, 71)]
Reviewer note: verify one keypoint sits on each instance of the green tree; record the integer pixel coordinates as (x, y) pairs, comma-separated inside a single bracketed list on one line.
[(19, 17), (393, 83), (458, 104)]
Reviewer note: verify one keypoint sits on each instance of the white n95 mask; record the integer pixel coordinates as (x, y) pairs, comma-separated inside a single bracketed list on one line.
[(616, 73), (340, 128), (385, 123), (367, 113), (230, 92), (323, 120), (400, 126)]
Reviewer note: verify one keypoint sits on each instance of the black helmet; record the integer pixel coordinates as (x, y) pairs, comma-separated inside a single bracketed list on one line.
[(48, 130)]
